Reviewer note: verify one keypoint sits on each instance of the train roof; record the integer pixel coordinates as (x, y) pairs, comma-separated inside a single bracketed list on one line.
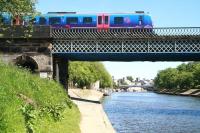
[(72, 12), (92, 13), (53, 14)]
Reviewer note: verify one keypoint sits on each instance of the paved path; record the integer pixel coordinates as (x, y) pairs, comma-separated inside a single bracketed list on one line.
[(93, 117)]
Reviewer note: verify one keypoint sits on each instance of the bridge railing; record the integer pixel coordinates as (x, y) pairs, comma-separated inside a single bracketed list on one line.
[(94, 33), (122, 33), (8, 32)]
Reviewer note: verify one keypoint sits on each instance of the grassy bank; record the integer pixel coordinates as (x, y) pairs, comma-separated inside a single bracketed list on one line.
[(31, 104)]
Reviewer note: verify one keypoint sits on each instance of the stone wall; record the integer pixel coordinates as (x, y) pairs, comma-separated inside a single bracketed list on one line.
[(23, 51)]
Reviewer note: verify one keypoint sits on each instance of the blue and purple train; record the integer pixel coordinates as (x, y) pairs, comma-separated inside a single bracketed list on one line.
[(72, 20)]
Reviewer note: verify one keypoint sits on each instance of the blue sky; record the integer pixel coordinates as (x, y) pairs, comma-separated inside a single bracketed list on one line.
[(165, 13)]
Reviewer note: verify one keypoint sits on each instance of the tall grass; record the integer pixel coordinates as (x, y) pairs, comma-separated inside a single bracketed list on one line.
[(31, 104)]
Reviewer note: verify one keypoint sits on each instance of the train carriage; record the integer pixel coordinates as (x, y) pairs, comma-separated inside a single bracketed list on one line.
[(100, 21)]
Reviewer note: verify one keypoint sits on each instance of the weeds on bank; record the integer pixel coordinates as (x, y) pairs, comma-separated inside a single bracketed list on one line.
[(30, 104)]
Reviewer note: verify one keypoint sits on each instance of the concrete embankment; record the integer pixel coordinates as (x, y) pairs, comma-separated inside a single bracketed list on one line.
[(93, 117), (188, 92)]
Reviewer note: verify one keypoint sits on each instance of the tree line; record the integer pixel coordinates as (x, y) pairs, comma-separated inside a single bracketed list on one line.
[(82, 74), (185, 76)]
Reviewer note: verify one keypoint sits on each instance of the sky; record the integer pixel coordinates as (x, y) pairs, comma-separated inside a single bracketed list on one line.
[(164, 13)]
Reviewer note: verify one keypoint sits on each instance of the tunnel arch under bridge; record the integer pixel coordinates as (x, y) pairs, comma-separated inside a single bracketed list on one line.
[(27, 62)]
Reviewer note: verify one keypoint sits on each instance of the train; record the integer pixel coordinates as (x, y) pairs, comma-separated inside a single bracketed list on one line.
[(70, 20)]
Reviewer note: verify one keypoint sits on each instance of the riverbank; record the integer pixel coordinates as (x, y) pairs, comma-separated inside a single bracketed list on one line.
[(31, 104), (93, 117), (186, 92)]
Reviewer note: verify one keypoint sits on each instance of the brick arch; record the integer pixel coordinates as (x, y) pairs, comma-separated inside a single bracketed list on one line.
[(27, 62)]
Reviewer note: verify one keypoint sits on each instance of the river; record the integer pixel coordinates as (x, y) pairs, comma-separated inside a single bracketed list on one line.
[(153, 113)]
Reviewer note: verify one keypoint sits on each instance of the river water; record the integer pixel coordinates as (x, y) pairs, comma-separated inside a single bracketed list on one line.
[(153, 113)]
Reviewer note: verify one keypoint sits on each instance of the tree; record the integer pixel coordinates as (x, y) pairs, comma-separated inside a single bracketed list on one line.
[(85, 73), (80, 73), (167, 78), (189, 67), (130, 78), (18, 8), (185, 76), (196, 75), (185, 80)]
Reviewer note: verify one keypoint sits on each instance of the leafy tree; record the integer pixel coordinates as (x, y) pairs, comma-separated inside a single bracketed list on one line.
[(182, 67), (185, 76), (17, 8), (167, 78), (185, 80), (130, 78), (189, 67), (196, 76), (85, 73)]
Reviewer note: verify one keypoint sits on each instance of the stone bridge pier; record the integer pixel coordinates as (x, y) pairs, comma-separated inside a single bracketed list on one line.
[(60, 71)]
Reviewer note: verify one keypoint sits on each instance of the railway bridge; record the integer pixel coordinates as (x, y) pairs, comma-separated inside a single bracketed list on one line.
[(48, 50)]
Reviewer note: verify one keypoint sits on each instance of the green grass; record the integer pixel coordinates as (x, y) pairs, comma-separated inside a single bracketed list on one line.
[(31, 104)]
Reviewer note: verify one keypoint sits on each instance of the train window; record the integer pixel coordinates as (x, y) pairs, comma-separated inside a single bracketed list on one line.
[(99, 19), (72, 20), (106, 19), (54, 20), (118, 20), (87, 20), (140, 20), (42, 21)]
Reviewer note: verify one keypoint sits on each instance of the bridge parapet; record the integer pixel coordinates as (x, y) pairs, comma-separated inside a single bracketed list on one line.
[(19, 32), (124, 33)]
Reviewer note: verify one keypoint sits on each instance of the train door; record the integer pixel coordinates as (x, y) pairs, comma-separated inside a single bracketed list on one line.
[(102, 21), (106, 22)]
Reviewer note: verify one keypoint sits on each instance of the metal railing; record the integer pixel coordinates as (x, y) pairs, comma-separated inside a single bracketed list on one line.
[(124, 33)]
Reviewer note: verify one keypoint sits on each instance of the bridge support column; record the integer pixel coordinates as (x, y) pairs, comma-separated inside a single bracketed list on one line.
[(60, 71)]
